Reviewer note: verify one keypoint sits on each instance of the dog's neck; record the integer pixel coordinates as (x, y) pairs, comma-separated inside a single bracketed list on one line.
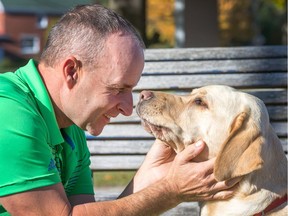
[(237, 206), (250, 198), (276, 204), (256, 190)]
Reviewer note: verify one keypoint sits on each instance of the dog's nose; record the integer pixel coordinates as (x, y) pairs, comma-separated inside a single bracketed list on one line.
[(146, 95)]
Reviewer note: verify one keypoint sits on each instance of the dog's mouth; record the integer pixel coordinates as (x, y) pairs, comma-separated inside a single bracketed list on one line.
[(167, 133), (157, 131), (154, 129), (164, 134)]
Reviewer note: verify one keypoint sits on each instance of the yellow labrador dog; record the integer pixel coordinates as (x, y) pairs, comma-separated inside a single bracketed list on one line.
[(236, 129)]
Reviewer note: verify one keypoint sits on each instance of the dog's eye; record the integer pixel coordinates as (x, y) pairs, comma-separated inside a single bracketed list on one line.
[(199, 102)]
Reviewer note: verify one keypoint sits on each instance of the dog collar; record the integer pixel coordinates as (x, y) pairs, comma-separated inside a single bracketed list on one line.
[(274, 204)]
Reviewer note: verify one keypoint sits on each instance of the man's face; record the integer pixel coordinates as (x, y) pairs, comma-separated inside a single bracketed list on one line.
[(106, 91)]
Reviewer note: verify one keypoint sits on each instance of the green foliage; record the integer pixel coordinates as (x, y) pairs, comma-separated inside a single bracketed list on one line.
[(11, 65), (272, 19), (252, 22), (279, 4)]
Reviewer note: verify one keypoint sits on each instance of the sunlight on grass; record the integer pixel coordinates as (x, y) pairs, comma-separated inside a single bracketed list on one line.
[(113, 178)]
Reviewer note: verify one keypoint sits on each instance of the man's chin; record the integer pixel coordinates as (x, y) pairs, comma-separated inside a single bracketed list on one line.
[(95, 131)]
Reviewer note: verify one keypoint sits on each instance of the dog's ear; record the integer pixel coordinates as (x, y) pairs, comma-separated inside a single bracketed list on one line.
[(240, 154)]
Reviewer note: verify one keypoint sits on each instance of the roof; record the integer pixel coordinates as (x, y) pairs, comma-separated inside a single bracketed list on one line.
[(40, 6)]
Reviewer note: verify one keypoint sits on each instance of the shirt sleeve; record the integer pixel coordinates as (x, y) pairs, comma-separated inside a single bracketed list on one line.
[(84, 183), (26, 160)]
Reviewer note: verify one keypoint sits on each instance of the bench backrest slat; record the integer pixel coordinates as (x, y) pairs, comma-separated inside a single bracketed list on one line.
[(221, 53)]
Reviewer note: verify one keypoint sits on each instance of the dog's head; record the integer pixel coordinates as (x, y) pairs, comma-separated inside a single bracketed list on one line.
[(229, 121)]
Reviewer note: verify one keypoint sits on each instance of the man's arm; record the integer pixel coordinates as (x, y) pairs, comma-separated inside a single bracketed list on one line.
[(152, 200), (185, 181), (50, 200), (182, 183)]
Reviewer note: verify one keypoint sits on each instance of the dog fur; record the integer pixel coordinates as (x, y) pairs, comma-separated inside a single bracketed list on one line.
[(236, 128)]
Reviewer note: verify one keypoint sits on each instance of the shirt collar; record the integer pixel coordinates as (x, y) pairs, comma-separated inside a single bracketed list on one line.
[(30, 75)]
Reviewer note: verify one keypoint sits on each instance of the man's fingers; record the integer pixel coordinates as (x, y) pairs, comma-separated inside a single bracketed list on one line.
[(222, 195), (157, 141), (160, 148), (210, 165), (225, 194), (217, 195), (225, 186), (233, 181), (193, 150)]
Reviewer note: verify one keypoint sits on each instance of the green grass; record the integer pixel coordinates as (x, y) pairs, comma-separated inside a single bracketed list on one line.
[(112, 178)]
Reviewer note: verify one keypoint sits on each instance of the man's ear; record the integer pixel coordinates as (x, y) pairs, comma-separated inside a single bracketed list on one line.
[(240, 154), (71, 71)]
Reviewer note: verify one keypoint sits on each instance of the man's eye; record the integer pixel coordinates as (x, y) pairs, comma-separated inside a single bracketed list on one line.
[(118, 91)]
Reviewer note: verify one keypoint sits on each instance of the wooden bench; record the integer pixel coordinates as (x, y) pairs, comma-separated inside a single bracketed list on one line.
[(260, 71)]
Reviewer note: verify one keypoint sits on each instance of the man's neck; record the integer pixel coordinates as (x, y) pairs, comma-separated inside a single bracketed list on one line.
[(52, 83)]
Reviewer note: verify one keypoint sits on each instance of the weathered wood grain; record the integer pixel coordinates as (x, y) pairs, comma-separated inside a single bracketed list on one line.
[(136, 131), (131, 147), (276, 113), (268, 96), (246, 80), (216, 53), (215, 66), (260, 71)]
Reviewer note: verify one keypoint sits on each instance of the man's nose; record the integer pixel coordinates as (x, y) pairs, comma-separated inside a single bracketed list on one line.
[(146, 95), (126, 105)]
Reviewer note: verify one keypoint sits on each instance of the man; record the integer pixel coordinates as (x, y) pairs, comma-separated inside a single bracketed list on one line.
[(92, 60)]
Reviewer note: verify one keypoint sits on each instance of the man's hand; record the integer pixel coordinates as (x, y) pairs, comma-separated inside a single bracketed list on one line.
[(155, 166), (192, 181)]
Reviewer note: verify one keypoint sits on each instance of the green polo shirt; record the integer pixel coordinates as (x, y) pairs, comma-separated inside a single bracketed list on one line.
[(34, 152)]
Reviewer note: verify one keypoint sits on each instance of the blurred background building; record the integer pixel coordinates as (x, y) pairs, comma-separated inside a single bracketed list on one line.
[(24, 24)]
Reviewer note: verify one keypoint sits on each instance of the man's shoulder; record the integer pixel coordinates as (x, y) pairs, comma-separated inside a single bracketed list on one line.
[(11, 85), (16, 99)]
